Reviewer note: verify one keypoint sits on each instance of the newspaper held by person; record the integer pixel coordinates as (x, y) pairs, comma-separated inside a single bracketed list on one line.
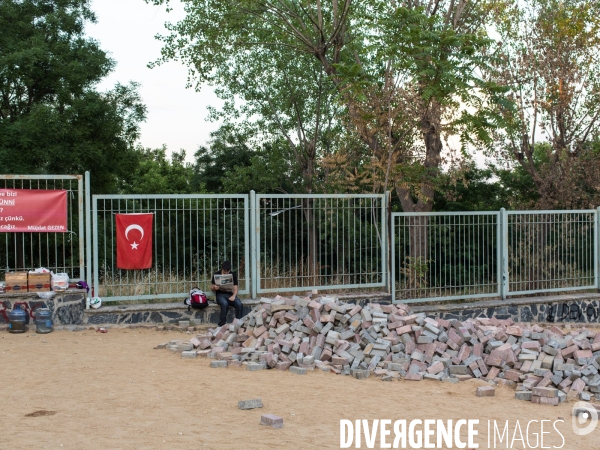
[(224, 282)]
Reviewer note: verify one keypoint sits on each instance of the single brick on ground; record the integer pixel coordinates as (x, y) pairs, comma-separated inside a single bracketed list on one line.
[(218, 364), (271, 420), (485, 391), (250, 404)]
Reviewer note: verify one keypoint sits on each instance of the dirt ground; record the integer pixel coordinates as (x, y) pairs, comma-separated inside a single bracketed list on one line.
[(88, 390)]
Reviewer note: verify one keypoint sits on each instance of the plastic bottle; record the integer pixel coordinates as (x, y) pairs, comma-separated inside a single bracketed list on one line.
[(16, 320), (43, 320)]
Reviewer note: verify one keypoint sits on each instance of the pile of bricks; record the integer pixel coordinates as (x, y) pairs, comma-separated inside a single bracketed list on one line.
[(389, 341)]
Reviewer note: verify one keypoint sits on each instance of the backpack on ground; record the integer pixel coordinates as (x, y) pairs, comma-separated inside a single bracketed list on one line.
[(196, 300)]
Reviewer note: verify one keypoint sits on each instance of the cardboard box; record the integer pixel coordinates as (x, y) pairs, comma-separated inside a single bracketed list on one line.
[(38, 282), (16, 282)]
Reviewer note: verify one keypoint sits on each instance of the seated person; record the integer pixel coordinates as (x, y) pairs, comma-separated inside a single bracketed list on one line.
[(226, 298)]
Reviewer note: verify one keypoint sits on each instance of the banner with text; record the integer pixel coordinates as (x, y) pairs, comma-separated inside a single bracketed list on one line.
[(33, 211)]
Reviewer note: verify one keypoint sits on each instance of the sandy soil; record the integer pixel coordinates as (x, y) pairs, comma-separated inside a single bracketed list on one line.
[(84, 390)]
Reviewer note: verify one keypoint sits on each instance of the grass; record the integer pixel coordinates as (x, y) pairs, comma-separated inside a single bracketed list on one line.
[(156, 283)]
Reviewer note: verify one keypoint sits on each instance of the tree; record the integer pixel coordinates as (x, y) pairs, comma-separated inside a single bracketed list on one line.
[(154, 173), (271, 170), (404, 74), (228, 148), (52, 120), (551, 66), (278, 92)]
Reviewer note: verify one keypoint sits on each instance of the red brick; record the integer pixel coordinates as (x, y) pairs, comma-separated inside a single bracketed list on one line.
[(565, 383), (578, 385), (436, 368), (493, 373), (482, 367), (545, 382), (464, 353), (485, 391), (544, 400), (512, 375), (336, 360), (583, 354), (413, 377), (531, 345), (566, 352), (514, 331)]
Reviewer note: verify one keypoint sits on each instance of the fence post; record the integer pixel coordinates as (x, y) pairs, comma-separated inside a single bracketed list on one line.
[(88, 238), (393, 257), (253, 262), (80, 220), (96, 282), (503, 250), (596, 232), (385, 239)]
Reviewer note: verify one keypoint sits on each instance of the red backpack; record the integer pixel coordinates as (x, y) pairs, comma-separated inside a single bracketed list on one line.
[(196, 300)]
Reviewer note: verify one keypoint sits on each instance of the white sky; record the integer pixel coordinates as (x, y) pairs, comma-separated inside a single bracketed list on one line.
[(176, 115)]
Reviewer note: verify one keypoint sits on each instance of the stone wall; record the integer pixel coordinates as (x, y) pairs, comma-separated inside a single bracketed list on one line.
[(67, 307), (574, 308), (159, 313)]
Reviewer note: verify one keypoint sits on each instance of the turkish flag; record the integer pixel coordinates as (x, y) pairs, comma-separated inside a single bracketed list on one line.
[(134, 241)]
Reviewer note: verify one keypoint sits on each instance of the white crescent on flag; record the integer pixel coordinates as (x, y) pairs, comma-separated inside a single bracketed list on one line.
[(134, 226)]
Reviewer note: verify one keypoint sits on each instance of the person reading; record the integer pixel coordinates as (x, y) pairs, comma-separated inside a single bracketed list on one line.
[(225, 287)]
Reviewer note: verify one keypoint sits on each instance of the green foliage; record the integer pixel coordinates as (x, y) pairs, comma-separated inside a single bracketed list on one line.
[(228, 149), (281, 93), (271, 170), (395, 76), (237, 162), (52, 120), (155, 174)]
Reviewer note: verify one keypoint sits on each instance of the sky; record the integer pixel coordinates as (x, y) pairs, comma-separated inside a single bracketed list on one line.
[(176, 115)]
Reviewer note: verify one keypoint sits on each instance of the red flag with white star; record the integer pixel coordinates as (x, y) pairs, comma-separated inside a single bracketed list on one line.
[(134, 241)]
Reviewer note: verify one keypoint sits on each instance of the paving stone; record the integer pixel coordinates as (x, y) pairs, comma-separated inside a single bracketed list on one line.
[(523, 395), (250, 404), (271, 420), (485, 391), (218, 364), (297, 370)]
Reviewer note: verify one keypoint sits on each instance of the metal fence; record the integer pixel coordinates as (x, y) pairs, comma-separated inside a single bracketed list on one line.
[(293, 243), (59, 252), (550, 251), (445, 256), (460, 255), (192, 235), (318, 241)]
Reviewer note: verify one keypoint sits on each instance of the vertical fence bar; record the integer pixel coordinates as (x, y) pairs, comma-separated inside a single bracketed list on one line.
[(88, 237), (96, 283), (388, 233), (81, 240), (504, 280), (393, 258), (254, 237), (596, 240), (246, 231)]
